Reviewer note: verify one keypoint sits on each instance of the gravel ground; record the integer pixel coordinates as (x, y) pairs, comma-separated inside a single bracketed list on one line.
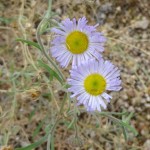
[(126, 24)]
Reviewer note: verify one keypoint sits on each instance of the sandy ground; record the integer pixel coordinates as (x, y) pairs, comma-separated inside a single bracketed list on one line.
[(26, 102)]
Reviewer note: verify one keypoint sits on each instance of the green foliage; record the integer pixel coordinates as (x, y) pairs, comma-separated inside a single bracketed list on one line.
[(6, 20), (51, 71), (71, 124), (34, 145), (34, 44), (39, 142), (37, 130), (32, 114), (45, 26), (52, 143), (124, 123), (55, 73)]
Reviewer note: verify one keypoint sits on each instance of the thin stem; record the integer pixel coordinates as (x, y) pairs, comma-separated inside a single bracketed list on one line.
[(76, 128), (55, 124), (113, 113), (121, 123), (100, 113), (14, 103), (44, 52), (51, 133), (49, 9), (47, 16), (76, 119)]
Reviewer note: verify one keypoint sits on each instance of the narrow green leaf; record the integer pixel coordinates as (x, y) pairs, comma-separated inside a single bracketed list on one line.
[(34, 145), (32, 114), (29, 43), (125, 133), (38, 143), (51, 71), (71, 124), (44, 26), (113, 113), (128, 118), (37, 130), (128, 126), (6, 20), (52, 143), (97, 125), (123, 124)]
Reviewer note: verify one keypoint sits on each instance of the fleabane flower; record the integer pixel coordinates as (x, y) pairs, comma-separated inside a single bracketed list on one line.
[(76, 41), (90, 82)]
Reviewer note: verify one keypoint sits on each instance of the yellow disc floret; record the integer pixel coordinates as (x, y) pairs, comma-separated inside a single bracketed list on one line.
[(95, 84), (77, 42)]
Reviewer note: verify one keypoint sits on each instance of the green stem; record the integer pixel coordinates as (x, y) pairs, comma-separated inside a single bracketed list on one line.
[(49, 9), (76, 119), (56, 122), (113, 113), (51, 133), (40, 41), (121, 123), (100, 113)]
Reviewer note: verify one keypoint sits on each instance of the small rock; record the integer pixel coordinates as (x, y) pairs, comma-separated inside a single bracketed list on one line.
[(106, 8), (147, 105), (142, 24), (118, 9), (145, 36), (138, 109), (147, 98), (108, 146), (124, 97), (131, 109), (147, 145), (131, 93), (24, 143), (126, 105), (92, 134), (143, 101), (103, 11), (59, 11), (148, 117)]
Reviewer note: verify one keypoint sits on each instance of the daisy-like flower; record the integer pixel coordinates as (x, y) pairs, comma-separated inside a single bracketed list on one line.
[(90, 81), (75, 40)]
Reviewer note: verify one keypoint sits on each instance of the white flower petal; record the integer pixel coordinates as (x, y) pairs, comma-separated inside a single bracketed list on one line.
[(78, 75), (96, 42)]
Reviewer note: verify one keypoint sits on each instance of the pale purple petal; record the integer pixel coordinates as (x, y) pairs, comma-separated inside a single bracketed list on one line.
[(96, 42), (78, 75)]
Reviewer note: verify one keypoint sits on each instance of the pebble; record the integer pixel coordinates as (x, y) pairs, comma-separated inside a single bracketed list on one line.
[(141, 24), (131, 109), (103, 11), (147, 105), (108, 146), (59, 11), (92, 134), (23, 143), (148, 117), (106, 8), (143, 101), (147, 145), (126, 104)]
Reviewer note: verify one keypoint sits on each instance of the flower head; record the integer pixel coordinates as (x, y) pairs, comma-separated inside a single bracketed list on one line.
[(90, 81), (75, 40)]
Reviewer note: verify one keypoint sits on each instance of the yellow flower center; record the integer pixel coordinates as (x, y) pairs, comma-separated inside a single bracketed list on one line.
[(95, 84), (77, 42)]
